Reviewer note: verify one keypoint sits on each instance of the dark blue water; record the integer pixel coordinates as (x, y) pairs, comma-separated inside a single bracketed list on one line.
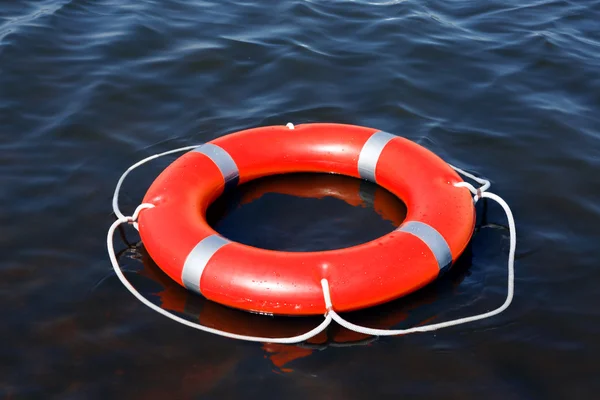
[(508, 89)]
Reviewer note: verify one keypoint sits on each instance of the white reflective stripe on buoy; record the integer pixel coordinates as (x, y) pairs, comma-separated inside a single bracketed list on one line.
[(223, 161), (433, 239), (196, 261), (369, 155)]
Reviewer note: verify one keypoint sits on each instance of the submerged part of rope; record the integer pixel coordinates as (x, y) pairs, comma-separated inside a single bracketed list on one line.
[(330, 314)]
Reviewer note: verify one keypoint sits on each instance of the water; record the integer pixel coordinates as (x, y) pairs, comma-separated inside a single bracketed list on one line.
[(509, 89)]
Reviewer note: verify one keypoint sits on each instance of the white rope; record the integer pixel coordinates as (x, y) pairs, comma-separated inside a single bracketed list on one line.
[(330, 314), (484, 182)]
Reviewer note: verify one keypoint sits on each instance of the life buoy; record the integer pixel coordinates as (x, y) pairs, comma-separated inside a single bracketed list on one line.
[(438, 225)]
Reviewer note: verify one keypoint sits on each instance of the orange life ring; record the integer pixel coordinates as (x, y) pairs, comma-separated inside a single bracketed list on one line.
[(438, 226)]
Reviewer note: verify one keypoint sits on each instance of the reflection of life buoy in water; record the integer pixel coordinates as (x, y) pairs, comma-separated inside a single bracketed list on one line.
[(175, 298)]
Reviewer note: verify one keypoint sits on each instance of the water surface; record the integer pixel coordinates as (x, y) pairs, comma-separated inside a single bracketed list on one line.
[(510, 90)]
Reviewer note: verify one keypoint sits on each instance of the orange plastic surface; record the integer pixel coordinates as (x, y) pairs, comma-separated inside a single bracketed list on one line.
[(288, 283)]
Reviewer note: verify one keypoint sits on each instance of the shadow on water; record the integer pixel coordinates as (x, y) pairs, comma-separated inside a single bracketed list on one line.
[(360, 197)]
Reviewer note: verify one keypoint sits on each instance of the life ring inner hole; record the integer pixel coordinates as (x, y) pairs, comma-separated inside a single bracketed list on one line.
[(299, 212)]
